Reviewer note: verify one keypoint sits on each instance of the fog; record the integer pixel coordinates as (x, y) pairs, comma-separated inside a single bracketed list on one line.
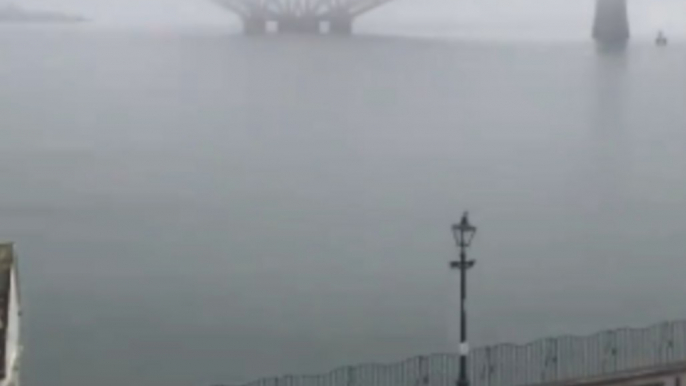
[(539, 19), (198, 207)]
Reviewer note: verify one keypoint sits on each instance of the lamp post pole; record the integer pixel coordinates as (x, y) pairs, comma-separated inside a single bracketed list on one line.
[(463, 233)]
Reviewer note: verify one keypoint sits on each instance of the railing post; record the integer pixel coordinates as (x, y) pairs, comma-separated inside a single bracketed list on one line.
[(666, 342), (610, 352), (423, 378), (550, 360), (488, 366), (351, 376)]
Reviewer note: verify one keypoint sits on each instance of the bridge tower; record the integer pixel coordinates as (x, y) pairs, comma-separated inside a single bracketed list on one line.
[(300, 16), (611, 24)]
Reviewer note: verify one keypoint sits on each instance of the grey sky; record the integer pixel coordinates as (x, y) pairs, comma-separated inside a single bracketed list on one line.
[(425, 15)]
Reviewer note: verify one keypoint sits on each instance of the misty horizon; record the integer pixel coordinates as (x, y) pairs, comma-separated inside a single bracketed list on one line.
[(533, 19)]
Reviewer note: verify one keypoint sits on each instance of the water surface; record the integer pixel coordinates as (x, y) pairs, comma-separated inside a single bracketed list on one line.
[(197, 208)]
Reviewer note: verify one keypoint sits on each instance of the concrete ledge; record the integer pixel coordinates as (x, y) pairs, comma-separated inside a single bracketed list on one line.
[(643, 375)]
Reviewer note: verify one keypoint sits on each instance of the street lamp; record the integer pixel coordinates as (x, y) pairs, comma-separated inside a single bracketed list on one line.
[(464, 234)]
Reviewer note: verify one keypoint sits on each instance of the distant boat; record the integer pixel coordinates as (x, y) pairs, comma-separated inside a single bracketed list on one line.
[(661, 39), (13, 14), (10, 314)]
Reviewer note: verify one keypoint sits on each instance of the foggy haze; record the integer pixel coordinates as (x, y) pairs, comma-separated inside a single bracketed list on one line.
[(195, 209), (486, 18)]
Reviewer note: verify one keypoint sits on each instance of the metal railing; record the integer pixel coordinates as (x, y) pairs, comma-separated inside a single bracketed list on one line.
[(546, 360)]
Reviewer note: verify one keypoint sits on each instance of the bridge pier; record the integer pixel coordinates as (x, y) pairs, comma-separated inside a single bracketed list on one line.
[(341, 26), (336, 26), (611, 24), (254, 26), (298, 25)]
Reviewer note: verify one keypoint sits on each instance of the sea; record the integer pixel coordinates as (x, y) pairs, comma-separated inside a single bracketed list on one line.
[(193, 207)]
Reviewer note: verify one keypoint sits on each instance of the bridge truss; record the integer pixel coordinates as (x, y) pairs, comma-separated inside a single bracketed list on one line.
[(308, 16)]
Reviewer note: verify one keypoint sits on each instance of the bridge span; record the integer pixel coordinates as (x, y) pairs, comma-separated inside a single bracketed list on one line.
[(611, 24), (300, 16)]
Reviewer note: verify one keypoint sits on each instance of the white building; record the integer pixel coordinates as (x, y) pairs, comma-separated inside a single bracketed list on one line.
[(10, 348)]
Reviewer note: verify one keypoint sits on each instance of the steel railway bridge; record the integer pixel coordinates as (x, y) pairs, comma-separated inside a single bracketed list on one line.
[(300, 16), (611, 23)]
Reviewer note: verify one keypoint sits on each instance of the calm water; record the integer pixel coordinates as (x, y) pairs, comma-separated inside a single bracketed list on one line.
[(193, 209)]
